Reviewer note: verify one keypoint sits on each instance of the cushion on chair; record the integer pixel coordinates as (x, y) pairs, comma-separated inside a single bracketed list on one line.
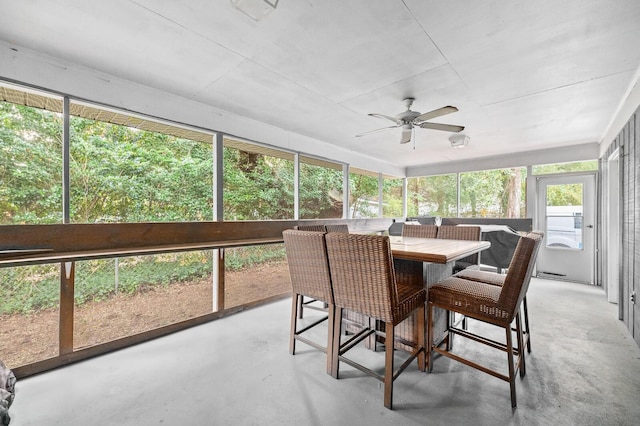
[(472, 297), (482, 276)]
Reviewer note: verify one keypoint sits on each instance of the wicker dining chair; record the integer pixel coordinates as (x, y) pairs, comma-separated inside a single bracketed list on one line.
[(468, 233), (492, 304), (494, 278), (309, 271), (420, 231), (338, 227), (314, 228), (302, 302), (364, 280)]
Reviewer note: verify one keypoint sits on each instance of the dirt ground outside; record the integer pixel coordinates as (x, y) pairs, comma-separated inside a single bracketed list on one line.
[(34, 337)]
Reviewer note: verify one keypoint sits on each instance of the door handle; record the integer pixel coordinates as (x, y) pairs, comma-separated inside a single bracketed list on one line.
[(589, 226)]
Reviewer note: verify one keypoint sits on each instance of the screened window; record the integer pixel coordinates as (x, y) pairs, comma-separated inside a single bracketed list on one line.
[(321, 195), (392, 196), (254, 273), (493, 193), (578, 166), (258, 182), (363, 194), (31, 157), (29, 313), (115, 298), (432, 196), (126, 168)]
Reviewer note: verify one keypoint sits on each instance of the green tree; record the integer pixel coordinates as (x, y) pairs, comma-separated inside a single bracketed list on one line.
[(256, 186), (30, 165), (363, 195)]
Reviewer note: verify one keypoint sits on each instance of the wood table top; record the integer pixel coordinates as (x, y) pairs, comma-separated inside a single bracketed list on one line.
[(435, 250)]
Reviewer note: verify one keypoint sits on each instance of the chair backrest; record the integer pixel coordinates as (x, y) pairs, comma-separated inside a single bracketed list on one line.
[(420, 231), (308, 264), (538, 236), (518, 276), (469, 233), (362, 274), (338, 227), (314, 228), (454, 232)]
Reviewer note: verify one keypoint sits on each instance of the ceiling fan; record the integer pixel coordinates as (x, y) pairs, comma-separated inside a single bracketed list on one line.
[(408, 120)]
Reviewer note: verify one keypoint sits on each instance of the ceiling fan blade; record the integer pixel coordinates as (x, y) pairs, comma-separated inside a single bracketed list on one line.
[(435, 113), (407, 133), (375, 131), (444, 127), (388, 117)]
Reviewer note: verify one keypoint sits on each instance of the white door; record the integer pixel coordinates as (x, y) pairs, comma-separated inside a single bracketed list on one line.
[(566, 214)]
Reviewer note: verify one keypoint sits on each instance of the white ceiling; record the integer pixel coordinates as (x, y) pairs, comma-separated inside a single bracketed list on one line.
[(525, 75)]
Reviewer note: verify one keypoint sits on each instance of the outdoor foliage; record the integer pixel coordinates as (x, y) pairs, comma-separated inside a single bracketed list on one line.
[(124, 174), (392, 197), (30, 165), (363, 195), (487, 193), (321, 194)]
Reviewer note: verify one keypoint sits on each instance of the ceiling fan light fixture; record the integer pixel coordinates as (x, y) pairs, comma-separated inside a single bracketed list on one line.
[(459, 141), (255, 9)]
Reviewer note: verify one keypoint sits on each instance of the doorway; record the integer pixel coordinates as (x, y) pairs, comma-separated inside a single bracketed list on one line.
[(566, 214)]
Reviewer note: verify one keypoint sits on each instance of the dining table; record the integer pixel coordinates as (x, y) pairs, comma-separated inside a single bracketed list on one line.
[(434, 250), (426, 261)]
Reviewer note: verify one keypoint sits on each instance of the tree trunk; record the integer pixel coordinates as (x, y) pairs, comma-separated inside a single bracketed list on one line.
[(514, 191)]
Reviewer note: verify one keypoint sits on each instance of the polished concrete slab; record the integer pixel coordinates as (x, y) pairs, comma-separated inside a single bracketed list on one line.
[(584, 370)]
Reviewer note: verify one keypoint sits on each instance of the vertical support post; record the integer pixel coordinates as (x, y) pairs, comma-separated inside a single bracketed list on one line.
[(218, 215), (66, 216), (296, 186), (457, 194), (405, 196), (67, 269), (380, 195), (67, 281), (218, 181), (220, 287), (345, 192)]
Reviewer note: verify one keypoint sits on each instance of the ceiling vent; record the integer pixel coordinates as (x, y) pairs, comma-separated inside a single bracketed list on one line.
[(256, 9), (459, 141)]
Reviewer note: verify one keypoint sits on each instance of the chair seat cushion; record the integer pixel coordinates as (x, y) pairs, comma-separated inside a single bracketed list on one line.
[(472, 298), (482, 276)]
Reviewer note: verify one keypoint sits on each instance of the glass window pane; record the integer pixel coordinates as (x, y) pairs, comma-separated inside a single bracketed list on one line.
[(493, 193), (392, 197), (257, 186), (363, 194), (578, 166), (31, 158), (128, 174), (29, 313), (432, 196), (254, 273), (321, 195), (564, 216), (121, 297)]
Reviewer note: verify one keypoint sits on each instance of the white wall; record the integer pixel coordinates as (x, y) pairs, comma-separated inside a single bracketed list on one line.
[(583, 152), (628, 106)]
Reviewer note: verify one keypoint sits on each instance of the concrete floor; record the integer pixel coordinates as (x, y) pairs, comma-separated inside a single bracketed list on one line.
[(584, 370)]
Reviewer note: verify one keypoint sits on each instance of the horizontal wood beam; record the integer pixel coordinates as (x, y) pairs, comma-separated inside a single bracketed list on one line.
[(32, 244)]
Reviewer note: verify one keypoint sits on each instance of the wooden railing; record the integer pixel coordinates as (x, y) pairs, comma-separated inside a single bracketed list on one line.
[(67, 243)]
